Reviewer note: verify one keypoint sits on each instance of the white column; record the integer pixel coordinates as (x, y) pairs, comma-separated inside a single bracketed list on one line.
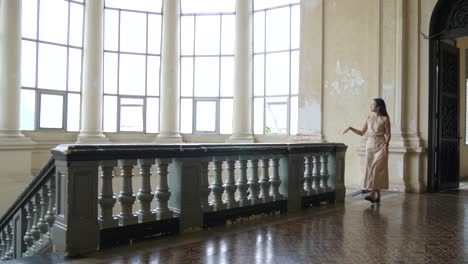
[(10, 72), (91, 113), (242, 111), (169, 130)]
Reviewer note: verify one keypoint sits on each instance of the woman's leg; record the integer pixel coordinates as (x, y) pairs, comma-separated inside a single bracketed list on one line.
[(378, 193)]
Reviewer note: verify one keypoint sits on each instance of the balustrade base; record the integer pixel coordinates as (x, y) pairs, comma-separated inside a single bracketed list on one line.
[(220, 217), (316, 199), (125, 234)]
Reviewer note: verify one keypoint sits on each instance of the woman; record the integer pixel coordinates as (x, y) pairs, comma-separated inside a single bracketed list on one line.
[(378, 127)]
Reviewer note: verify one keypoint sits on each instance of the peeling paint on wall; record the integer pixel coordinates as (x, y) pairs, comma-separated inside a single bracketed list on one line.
[(310, 117), (349, 81)]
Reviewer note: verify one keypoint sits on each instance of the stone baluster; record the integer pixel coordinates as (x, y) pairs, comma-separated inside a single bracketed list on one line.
[(34, 229), (106, 198), (50, 214), (145, 196), (11, 247), (275, 180), (42, 224), (254, 185), (308, 176), (242, 182), (230, 184), (217, 188), (8, 243), (28, 239), (127, 197), (265, 181), (3, 244), (162, 192), (316, 175), (324, 172), (204, 189)]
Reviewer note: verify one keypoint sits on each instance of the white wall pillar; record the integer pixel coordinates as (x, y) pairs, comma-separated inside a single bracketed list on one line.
[(242, 111), (91, 110), (310, 112), (169, 130), (10, 73)]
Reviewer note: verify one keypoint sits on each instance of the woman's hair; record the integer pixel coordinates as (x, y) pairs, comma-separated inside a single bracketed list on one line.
[(381, 108)]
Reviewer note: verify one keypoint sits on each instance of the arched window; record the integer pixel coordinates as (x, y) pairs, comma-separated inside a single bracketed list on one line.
[(132, 48), (276, 66), (51, 59), (207, 66)]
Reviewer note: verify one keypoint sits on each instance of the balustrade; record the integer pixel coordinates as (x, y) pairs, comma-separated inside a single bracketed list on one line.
[(269, 177)]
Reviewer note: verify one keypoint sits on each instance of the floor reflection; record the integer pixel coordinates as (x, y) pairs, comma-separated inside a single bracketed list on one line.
[(403, 228)]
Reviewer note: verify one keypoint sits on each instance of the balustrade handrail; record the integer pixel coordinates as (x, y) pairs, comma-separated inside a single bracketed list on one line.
[(138, 151), (38, 181)]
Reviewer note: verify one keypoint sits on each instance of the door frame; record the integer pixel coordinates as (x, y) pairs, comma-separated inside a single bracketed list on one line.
[(449, 20)]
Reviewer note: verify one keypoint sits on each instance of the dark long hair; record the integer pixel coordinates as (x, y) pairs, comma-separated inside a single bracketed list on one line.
[(381, 107)]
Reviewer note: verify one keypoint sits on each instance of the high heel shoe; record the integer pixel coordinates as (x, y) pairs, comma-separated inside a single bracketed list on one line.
[(370, 199)]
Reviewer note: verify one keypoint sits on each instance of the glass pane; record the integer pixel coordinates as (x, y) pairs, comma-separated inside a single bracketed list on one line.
[(206, 76), (73, 112), (28, 63), (225, 120), (132, 74), (227, 76), (259, 32), (27, 109), (276, 114), (29, 19), (110, 72), (228, 33), (154, 34), (53, 21), (207, 35), (152, 75), (131, 118), (295, 26), (110, 114), (295, 72), (261, 4), (294, 116), (208, 6), (259, 74), (277, 73), (74, 70), (133, 32), (131, 101), (277, 29), (76, 24), (52, 67), (186, 76), (111, 29), (51, 112), (186, 35), (186, 110), (206, 116), (152, 115), (140, 5), (258, 115)]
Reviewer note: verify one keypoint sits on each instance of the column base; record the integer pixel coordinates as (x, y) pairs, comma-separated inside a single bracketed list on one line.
[(241, 138), (169, 137), (92, 138), (10, 138)]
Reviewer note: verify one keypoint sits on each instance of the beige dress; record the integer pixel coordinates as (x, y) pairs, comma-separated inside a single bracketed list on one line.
[(376, 159)]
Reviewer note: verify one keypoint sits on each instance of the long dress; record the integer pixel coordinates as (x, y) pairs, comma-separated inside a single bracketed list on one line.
[(376, 176)]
